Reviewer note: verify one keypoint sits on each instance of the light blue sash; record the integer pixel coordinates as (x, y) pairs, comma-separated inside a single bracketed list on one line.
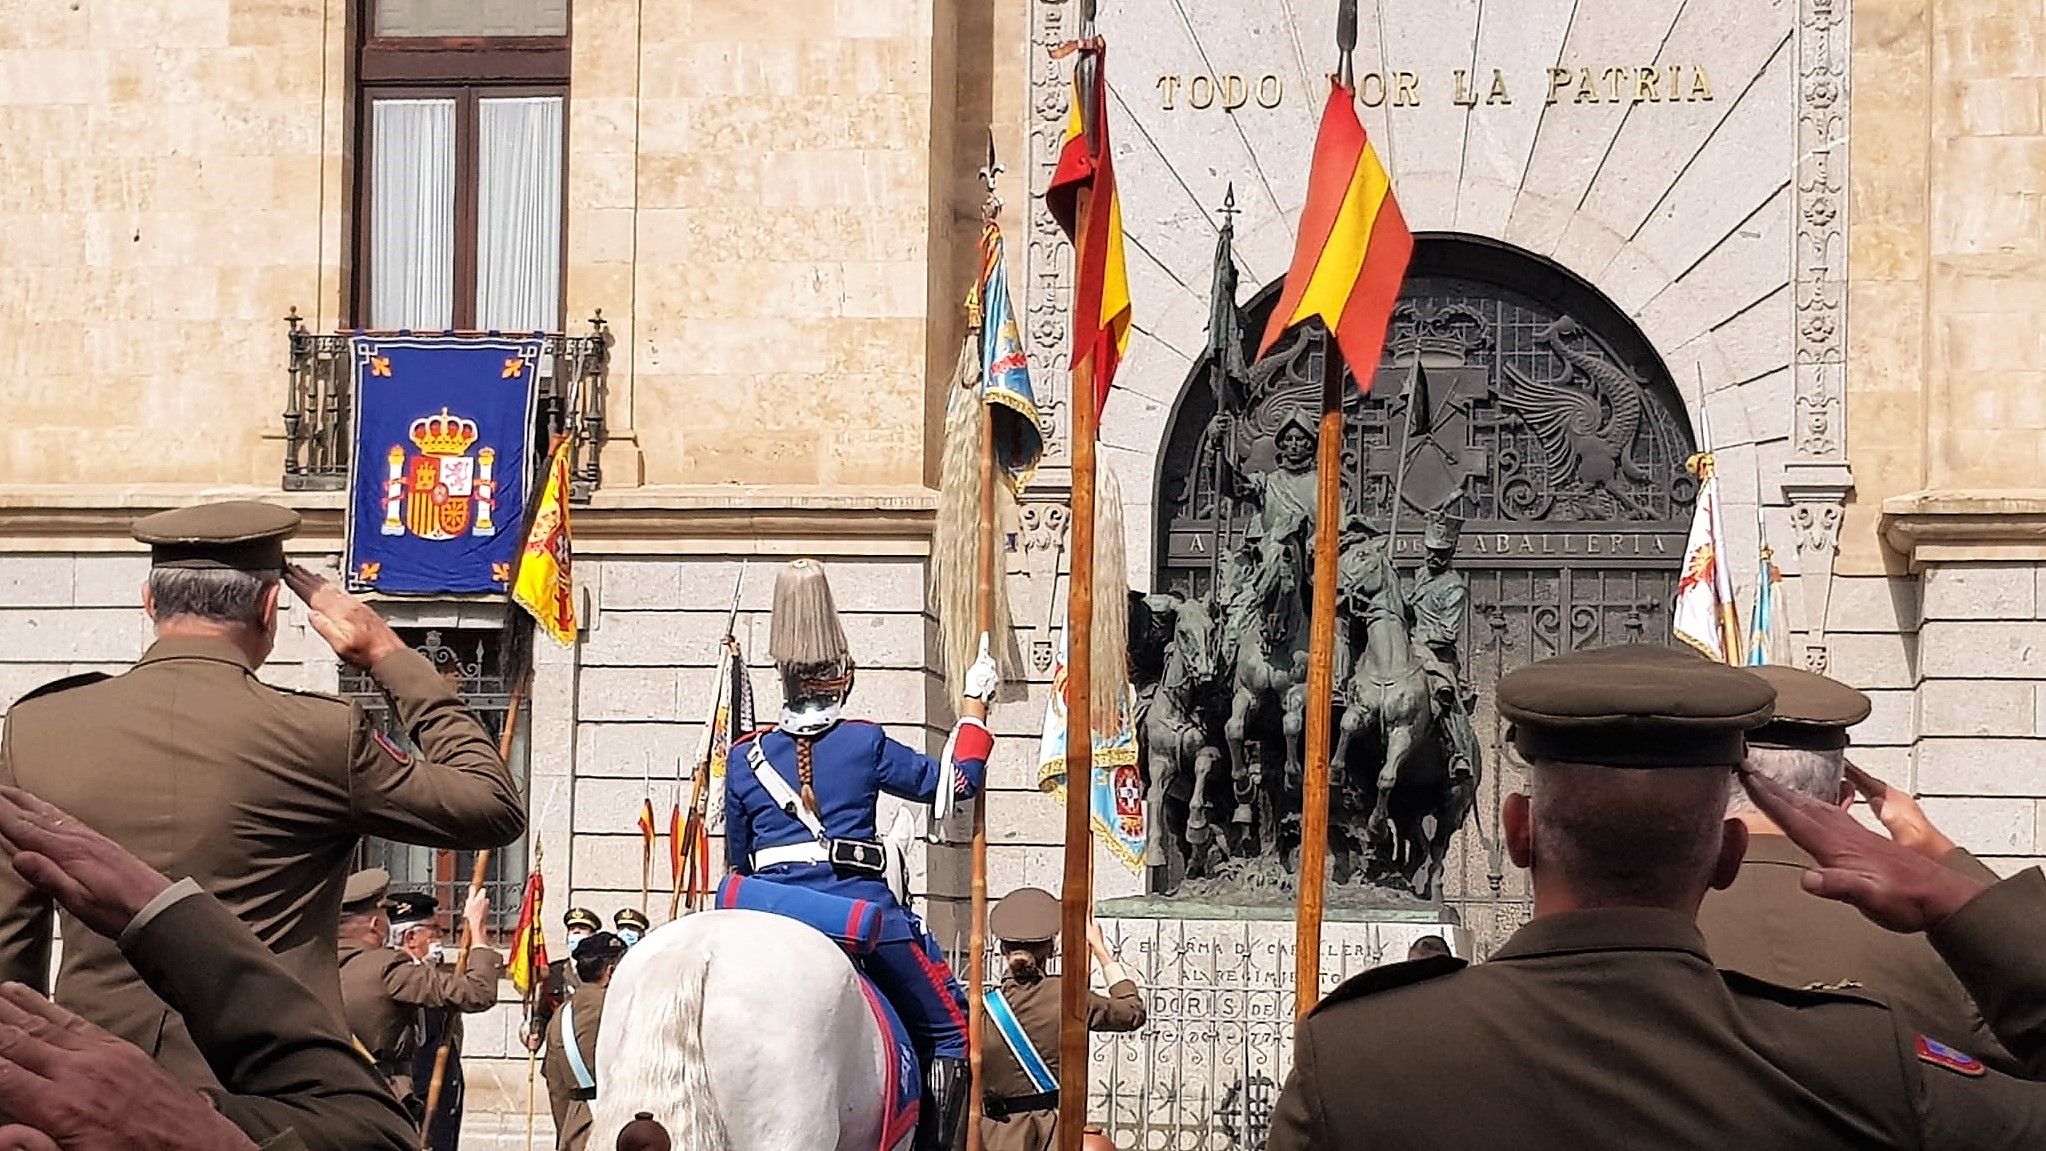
[(574, 1050), (1004, 1018)]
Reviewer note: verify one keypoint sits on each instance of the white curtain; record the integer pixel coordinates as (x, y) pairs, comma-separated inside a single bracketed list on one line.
[(412, 214), (518, 214)]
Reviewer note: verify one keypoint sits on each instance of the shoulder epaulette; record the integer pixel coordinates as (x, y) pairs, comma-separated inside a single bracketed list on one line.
[(1392, 975), (304, 692), (65, 684), (756, 733), (1810, 995)]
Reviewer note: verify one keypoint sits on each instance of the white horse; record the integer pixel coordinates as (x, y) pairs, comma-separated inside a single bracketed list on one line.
[(743, 1031)]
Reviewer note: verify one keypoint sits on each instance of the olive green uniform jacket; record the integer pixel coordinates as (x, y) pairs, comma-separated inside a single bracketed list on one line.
[(1612, 1029), (258, 794), (385, 990), (572, 1115), (1036, 1004), (292, 1080), (1766, 925)]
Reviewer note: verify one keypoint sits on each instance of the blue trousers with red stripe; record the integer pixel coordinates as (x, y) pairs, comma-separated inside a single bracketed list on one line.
[(915, 979)]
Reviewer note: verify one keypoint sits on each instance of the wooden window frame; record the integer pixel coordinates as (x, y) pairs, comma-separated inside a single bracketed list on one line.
[(467, 70)]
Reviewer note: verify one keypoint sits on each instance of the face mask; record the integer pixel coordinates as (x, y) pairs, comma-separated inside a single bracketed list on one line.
[(575, 937), (628, 935)]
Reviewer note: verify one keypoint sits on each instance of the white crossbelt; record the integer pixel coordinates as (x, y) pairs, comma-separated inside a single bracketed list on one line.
[(807, 852)]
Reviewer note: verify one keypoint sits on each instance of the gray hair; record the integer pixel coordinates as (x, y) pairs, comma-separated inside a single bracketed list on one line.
[(221, 595), (1813, 773), (1629, 837)]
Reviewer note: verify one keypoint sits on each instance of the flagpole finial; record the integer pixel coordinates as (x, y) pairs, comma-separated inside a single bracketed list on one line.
[(991, 207), (1346, 41), (1229, 208)]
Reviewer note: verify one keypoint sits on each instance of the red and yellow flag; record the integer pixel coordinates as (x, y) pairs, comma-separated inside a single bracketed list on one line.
[(1353, 247), (647, 828), (675, 837), (545, 585), (529, 941), (1101, 280)]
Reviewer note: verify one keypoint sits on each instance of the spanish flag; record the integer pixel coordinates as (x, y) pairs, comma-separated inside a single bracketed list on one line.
[(675, 837), (545, 585), (529, 941), (1101, 280), (1353, 247)]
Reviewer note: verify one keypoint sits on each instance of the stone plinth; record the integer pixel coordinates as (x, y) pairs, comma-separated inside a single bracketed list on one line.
[(1219, 1040)]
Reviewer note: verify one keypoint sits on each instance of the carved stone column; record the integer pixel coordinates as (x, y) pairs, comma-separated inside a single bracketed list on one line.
[(1817, 478)]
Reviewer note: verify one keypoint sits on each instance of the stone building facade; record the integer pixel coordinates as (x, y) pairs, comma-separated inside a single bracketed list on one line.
[(1812, 213)]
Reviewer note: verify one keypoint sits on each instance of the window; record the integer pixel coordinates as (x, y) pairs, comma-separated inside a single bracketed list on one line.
[(461, 115), (469, 658)]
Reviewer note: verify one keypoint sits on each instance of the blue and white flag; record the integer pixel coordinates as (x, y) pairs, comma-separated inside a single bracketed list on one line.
[(1005, 368), (1765, 643), (442, 451), (1117, 791)]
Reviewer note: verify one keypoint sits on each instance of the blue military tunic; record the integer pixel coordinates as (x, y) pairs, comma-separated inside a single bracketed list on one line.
[(852, 764)]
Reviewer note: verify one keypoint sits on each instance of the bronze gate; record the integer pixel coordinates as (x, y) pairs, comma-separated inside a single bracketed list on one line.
[(1551, 427)]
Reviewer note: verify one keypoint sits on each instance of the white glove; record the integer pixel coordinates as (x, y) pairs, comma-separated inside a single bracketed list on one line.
[(983, 679)]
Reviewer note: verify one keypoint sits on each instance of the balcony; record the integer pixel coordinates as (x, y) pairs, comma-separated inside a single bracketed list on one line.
[(319, 400)]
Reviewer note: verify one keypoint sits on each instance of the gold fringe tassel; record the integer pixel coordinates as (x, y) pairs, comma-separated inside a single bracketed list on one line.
[(1108, 685)]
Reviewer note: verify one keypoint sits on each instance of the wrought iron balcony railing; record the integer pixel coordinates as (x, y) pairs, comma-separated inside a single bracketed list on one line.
[(318, 415)]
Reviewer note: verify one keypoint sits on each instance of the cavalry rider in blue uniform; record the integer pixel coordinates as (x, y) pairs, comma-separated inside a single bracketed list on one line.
[(801, 808)]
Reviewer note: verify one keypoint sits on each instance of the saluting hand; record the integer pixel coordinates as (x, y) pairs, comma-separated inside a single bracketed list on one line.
[(95, 879), (1900, 815), (351, 627), (1892, 885), (70, 1086)]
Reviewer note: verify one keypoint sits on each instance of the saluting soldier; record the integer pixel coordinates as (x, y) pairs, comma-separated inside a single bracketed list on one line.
[(580, 923), (416, 931), (258, 793), (385, 991), (571, 1064), (1603, 1022), (1019, 1049), (1766, 925), (631, 923)]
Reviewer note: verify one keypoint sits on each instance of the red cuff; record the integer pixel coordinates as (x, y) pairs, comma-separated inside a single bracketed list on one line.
[(972, 740)]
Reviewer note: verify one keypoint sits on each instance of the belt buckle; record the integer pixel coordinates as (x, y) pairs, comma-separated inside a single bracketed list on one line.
[(859, 855)]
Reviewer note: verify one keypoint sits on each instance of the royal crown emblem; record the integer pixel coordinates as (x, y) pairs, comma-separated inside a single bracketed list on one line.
[(433, 493)]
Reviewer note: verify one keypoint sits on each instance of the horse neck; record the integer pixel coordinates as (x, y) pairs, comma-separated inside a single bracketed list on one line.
[(1388, 648)]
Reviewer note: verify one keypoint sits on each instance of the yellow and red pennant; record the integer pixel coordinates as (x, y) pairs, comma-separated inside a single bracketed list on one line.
[(1082, 198), (1353, 247)]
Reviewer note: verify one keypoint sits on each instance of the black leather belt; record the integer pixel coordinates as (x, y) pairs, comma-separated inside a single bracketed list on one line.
[(583, 1094), (1018, 1104)]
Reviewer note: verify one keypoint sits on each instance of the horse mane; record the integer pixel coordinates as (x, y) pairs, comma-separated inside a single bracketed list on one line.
[(661, 1067)]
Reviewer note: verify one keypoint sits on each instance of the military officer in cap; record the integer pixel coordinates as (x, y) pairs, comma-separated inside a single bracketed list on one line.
[(580, 923), (1019, 1048), (416, 931), (259, 794), (384, 990), (1765, 924), (1603, 1022), (571, 1063), (631, 923)]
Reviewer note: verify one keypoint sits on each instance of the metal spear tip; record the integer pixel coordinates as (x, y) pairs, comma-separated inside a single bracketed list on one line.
[(1346, 26)]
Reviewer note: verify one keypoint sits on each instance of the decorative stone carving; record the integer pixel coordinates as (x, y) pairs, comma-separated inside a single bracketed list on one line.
[(1048, 302), (1816, 481), (1034, 567)]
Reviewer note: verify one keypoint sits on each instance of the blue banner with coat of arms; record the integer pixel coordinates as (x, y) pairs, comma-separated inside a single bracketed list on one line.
[(443, 430)]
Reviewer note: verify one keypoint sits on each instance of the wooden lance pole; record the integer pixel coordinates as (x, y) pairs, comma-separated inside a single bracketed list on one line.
[(476, 880), (1077, 897), (1321, 661), (984, 617)]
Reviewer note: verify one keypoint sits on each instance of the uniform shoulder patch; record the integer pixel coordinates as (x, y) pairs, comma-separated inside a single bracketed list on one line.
[(65, 684), (1938, 1054), (391, 748), (1392, 975)]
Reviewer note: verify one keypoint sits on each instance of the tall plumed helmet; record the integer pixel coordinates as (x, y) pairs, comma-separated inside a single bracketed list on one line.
[(805, 631)]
